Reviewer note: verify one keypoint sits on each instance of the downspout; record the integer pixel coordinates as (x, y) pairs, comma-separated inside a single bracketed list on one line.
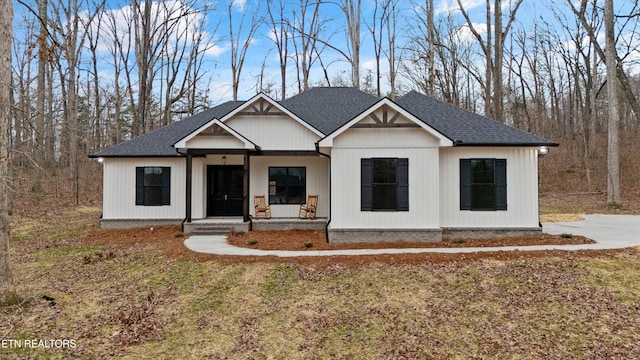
[(326, 228)]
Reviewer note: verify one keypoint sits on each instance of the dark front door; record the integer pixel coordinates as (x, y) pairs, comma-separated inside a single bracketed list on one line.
[(224, 190)]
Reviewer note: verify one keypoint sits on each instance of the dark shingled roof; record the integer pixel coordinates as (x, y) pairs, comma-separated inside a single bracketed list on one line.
[(160, 142), (327, 109), (464, 127)]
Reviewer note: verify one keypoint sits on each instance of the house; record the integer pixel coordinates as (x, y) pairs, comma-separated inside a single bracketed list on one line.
[(414, 169)]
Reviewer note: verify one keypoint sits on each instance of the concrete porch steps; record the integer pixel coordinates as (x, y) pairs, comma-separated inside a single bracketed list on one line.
[(216, 226), (211, 229)]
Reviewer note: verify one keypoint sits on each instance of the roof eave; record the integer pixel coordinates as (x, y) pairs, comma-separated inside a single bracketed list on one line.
[(505, 144), (96, 156)]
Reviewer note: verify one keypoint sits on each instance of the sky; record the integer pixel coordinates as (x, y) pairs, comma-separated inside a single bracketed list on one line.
[(262, 48)]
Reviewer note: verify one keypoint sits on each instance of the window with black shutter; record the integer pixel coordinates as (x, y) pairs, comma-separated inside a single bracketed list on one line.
[(483, 184), (153, 186), (384, 184)]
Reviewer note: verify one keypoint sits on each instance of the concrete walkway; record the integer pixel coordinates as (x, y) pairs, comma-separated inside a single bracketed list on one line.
[(609, 232)]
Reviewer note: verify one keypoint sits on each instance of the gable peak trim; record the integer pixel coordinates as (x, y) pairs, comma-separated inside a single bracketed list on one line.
[(261, 99), (385, 104)]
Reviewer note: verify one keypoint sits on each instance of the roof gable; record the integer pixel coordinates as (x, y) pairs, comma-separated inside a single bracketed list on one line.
[(393, 116), (216, 127), (261, 104)]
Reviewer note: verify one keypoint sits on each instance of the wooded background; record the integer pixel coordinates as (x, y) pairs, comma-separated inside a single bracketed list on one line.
[(546, 75)]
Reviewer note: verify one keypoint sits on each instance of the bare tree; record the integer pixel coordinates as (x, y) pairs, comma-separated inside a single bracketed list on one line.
[(351, 10), (306, 28), (23, 60), (119, 46), (613, 162), (375, 29), (494, 53), (431, 40), (240, 39), (280, 35), (383, 30), (180, 54), (6, 36), (391, 23), (145, 26), (625, 83), (43, 59), (93, 38)]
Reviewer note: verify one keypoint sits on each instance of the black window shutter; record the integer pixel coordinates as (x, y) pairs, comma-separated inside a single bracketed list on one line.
[(501, 184), (465, 184), (366, 184), (403, 184), (166, 186), (139, 186)]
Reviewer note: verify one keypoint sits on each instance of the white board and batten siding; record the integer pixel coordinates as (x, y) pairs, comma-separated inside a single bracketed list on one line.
[(272, 132), (522, 188), (119, 184), (317, 175), (415, 144)]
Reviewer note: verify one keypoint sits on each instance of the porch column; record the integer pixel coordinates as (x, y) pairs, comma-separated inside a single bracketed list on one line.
[(245, 185), (188, 189)]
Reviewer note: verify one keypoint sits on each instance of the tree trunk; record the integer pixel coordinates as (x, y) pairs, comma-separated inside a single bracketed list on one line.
[(431, 56), (613, 163), (43, 55), (6, 18), (498, 105)]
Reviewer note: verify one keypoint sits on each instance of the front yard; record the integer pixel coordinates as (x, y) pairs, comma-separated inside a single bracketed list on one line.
[(151, 298)]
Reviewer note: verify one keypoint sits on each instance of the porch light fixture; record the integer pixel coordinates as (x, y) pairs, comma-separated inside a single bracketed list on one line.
[(224, 159), (100, 160), (543, 150)]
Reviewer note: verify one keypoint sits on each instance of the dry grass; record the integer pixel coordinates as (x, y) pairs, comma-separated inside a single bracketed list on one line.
[(137, 300), (560, 217)]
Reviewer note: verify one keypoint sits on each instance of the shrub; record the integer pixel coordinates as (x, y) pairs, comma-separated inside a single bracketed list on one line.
[(308, 245), (178, 235), (566, 236), (458, 241), (252, 242)]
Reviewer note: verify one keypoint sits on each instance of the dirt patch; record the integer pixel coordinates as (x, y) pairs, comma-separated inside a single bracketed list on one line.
[(171, 241), (316, 240), (560, 217)]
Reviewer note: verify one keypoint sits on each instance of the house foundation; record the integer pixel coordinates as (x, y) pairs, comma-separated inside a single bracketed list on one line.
[(488, 233), (136, 223), (384, 235)]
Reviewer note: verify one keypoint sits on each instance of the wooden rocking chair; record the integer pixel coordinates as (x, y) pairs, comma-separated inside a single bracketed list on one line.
[(261, 207), (308, 210)]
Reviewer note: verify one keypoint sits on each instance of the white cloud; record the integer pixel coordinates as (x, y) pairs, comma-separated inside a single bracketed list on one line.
[(448, 6), (241, 5), (216, 50), (369, 65), (464, 33)]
